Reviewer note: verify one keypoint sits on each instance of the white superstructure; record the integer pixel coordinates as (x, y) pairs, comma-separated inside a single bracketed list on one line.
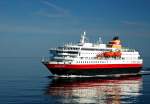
[(85, 52)]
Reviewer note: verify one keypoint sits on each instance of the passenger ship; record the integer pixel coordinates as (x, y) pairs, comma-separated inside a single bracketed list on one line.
[(86, 58)]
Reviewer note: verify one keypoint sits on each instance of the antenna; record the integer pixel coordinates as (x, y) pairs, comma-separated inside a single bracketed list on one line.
[(84, 33), (82, 40), (100, 40), (116, 33)]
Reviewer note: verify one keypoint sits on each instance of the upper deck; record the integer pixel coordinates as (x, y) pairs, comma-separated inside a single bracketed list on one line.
[(84, 45)]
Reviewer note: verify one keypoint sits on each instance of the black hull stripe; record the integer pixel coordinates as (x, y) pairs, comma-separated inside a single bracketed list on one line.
[(60, 71)]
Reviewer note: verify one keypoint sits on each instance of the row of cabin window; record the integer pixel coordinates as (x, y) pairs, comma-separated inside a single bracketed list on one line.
[(91, 61), (68, 48), (71, 52), (88, 49), (88, 53), (88, 57)]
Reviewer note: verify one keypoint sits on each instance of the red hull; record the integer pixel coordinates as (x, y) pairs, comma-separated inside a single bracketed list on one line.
[(92, 66), (93, 69)]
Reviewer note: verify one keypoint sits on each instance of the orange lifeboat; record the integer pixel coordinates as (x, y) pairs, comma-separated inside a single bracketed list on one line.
[(108, 54), (112, 54), (117, 54)]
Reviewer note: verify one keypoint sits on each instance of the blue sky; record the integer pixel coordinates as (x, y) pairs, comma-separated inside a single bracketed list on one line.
[(28, 28)]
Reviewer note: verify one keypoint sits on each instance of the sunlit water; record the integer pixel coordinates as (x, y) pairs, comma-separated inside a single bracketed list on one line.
[(26, 81)]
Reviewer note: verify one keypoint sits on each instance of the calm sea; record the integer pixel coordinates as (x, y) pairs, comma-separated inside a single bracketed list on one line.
[(27, 81)]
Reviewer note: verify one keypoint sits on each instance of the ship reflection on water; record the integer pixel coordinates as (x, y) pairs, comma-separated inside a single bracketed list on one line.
[(95, 90)]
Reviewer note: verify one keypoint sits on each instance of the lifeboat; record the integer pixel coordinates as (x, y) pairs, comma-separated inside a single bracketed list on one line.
[(112, 54), (117, 54), (108, 54)]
